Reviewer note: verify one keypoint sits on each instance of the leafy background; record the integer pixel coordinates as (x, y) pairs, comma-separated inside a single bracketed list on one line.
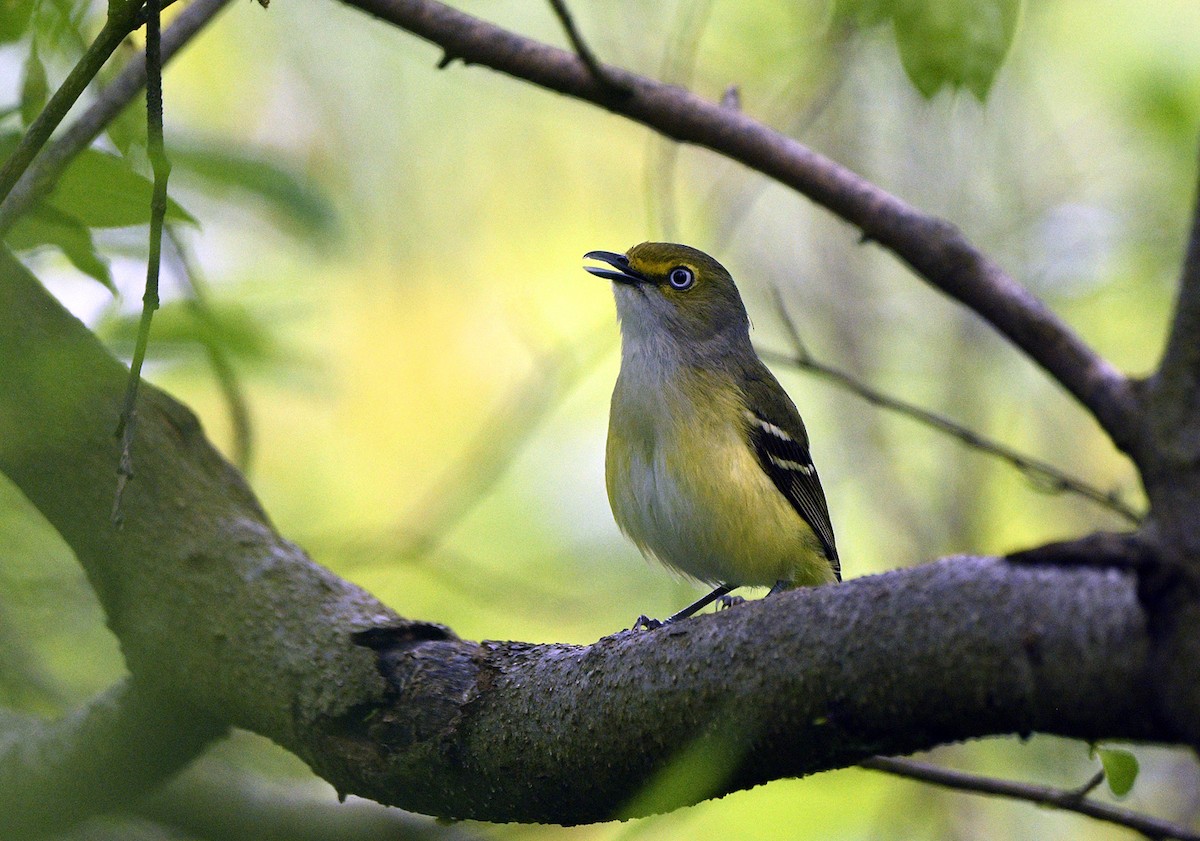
[(391, 274)]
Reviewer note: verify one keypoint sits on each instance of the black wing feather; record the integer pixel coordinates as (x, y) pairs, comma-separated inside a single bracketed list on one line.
[(780, 442)]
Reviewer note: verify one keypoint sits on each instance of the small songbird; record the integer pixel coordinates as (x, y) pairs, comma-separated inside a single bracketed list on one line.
[(707, 466)]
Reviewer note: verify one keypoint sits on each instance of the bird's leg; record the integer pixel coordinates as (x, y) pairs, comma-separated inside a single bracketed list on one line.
[(780, 586), (700, 603), (722, 593)]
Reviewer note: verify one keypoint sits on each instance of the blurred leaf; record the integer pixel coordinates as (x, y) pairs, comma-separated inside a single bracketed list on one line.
[(103, 191), (181, 326), (128, 129), (288, 193), (14, 19), (864, 13), (1120, 769), (1166, 99), (35, 89), (954, 42), (49, 226)]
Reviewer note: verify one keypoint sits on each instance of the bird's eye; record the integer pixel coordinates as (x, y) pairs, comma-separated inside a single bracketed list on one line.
[(681, 277)]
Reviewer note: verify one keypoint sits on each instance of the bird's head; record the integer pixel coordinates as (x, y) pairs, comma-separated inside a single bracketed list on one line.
[(673, 292)]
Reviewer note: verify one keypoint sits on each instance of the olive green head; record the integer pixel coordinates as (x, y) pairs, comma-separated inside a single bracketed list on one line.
[(671, 291)]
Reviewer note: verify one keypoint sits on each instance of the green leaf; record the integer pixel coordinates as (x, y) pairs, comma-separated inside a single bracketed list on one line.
[(35, 88), (47, 226), (955, 42), (1120, 769), (183, 325), (103, 191), (14, 19), (288, 193)]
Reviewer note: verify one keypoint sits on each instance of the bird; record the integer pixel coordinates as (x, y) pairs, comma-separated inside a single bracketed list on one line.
[(707, 462)]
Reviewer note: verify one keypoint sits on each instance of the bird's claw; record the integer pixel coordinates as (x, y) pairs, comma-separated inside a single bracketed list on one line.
[(644, 622), (727, 601)]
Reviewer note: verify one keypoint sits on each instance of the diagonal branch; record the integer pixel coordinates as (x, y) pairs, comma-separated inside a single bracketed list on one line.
[(1069, 800), (934, 248), (1043, 474)]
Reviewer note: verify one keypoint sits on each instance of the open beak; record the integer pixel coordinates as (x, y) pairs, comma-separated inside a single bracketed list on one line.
[(619, 262)]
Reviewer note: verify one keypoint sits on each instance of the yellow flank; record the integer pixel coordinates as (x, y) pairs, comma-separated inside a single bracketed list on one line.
[(686, 487)]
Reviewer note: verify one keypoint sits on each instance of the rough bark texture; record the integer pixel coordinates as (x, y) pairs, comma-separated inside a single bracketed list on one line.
[(231, 624), (213, 608)]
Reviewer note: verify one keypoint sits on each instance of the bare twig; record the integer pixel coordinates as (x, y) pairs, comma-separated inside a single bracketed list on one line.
[(934, 248), (584, 51), (158, 211), (46, 168), (1070, 800), (1043, 474)]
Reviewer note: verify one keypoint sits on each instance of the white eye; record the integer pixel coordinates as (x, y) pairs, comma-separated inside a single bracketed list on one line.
[(681, 277)]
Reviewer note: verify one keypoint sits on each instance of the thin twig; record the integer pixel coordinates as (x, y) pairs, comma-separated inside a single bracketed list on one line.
[(155, 150), (1069, 800), (1042, 474), (39, 178), (118, 24), (585, 53)]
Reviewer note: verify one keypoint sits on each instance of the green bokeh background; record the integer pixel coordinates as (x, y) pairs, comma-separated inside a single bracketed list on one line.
[(428, 373)]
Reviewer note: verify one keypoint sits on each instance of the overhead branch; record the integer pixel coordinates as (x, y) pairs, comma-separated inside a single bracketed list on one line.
[(54, 774), (934, 248)]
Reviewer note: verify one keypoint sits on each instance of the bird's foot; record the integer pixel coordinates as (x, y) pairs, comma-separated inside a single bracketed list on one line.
[(645, 623), (780, 586), (726, 602)]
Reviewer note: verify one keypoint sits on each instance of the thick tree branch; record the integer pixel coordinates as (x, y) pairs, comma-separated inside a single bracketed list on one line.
[(54, 774), (212, 606), (931, 246)]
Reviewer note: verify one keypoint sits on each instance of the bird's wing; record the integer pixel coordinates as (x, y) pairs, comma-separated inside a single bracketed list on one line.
[(780, 441)]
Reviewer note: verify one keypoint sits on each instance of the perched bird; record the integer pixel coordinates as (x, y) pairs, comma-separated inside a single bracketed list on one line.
[(707, 464)]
